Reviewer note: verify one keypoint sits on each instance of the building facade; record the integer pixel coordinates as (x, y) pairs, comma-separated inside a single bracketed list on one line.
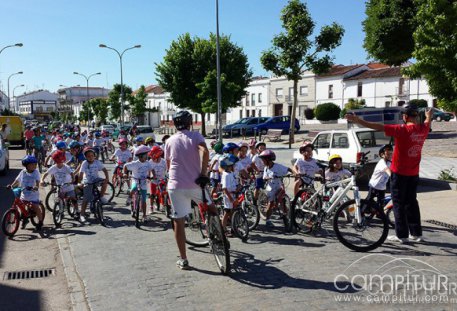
[(37, 105), (72, 98)]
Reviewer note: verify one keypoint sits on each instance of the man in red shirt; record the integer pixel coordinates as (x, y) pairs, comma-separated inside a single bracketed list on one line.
[(409, 139)]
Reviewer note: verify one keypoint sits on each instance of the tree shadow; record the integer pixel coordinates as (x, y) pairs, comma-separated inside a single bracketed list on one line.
[(273, 239)]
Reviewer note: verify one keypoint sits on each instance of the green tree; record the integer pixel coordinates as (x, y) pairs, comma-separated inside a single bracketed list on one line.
[(100, 108), (188, 72), (8, 112), (86, 110), (389, 28), (114, 100), (295, 51), (138, 104), (351, 105), (327, 112), (450, 106)]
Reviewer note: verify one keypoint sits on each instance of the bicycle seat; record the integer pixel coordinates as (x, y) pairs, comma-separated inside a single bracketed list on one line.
[(202, 181)]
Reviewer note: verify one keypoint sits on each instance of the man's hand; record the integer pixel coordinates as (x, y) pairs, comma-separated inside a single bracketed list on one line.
[(352, 118), (428, 114)]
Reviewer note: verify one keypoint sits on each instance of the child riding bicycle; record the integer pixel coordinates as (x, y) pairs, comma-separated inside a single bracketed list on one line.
[(229, 186), (305, 166), (159, 171)]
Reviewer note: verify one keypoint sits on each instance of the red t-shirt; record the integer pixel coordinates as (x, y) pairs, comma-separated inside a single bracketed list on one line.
[(409, 139)]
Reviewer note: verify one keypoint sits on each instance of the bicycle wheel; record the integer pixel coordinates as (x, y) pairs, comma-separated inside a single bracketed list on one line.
[(283, 210), (99, 213), (252, 214), (389, 211), (109, 192), (120, 186), (262, 204), (219, 244), (195, 228), (70, 208), (51, 197), (57, 214), (10, 222), (40, 162), (240, 225), (136, 207), (299, 219), (33, 216), (363, 237)]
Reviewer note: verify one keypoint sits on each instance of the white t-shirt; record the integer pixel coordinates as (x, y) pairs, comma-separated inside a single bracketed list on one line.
[(25, 180), (68, 156), (277, 170), (98, 142), (214, 173), (245, 162), (160, 168), (62, 176), (259, 164), (140, 170), (122, 155), (307, 167), (91, 171), (337, 176), (89, 142), (380, 177), (228, 181)]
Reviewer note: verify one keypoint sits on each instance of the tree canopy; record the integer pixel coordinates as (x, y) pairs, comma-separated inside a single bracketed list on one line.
[(138, 104), (295, 50), (188, 73), (114, 102), (100, 108)]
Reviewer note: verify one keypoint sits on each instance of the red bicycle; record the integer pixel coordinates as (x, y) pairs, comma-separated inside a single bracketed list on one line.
[(20, 210), (161, 198), (118, 180)]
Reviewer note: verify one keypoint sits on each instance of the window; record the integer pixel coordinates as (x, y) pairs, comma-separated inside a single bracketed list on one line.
[(252, 99), (387, 104), (359, 89), (291, 92), (260, 97), (260, 112), (279, 93), (241, 114), (372, 139), (401, 84), (322, 141), (330, 91), (247, 113), (340, 140), (253, 112), (304, 90), (301, 111)]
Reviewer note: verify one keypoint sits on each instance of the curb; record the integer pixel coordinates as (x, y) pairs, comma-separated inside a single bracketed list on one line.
[(435, 183), (77, 289)]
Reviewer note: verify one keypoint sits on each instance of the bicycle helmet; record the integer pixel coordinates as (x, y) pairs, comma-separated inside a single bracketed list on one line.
[(268, 155), (156, 152), (306, 144), (252, 143), (142, 150), (98, 134), (182, 120), (218, 147), (74, 144), (243, 144), (88, 149), (123, 141), (59, 156), (139, 139), (227, 160), (384, 148), (61, 144), (229, 147), (148, 140), (334, 157), (261, 143), (29, 159), (410, 110), (66, 134)]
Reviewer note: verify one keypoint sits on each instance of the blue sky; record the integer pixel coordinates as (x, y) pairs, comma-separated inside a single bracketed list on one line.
[(61, 37)]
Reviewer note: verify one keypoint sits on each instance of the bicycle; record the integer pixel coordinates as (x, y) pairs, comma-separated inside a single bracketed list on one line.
[(59, 206), (249, 206), (96, 205), (20, 210), (162, 198), (118, 180), (204, 228), (136, 200), (40, 158)]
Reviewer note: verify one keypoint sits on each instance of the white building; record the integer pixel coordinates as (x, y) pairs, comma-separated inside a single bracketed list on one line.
[(72, 98), (3, 100), (37, 104)]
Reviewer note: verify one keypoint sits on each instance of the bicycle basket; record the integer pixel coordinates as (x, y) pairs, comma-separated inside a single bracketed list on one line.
[(17, 192)]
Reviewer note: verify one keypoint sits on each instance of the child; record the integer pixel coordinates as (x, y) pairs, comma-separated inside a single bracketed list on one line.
[(159, 170), (98, 142), (141, 169), (214, 175), (271, 171), (29, 180), (335, 170), (150, 142), (139, 140), (381, 175), (62, 174), (252, 149), (238, 169), (122, 154), (59, 146), (244, 160), (306, 166), (89, 170), (258, 168), (229, 186)]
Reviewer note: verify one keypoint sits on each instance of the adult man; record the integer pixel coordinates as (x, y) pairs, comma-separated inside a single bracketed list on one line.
[(5, 131), (182, 153), (409, 139)]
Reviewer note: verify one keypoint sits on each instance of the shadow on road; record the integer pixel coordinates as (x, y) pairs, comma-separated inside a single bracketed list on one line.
[(274, 239), (12, 298)]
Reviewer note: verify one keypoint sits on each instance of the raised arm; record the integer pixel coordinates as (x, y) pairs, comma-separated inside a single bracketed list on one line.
[(355, 119)]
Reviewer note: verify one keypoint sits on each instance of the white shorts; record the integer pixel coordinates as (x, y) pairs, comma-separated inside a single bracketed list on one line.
[(181, 201)]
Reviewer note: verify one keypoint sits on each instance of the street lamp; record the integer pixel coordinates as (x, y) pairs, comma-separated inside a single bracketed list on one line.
[(21, 85), (87, 91), (10, 46), (218, 69), (122, 82), (13, 74)]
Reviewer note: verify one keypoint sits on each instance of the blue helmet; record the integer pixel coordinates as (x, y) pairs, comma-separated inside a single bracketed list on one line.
[(74, 144), (29, 159), (61, 144), (139, 139), (98, 134), (229, 147), (227, 160)]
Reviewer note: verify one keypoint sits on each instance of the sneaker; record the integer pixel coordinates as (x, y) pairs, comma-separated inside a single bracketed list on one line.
[(269, 224), (183, 264), (104, 200), (128, 201), (394, 238), (82, 219), (416, 238)]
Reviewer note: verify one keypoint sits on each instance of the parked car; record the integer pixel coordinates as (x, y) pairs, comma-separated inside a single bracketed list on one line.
[(4, 157), (439, 115), (350, 144), (247, 126), (145, 131), (277, 123), (227, 129), (108, 128)]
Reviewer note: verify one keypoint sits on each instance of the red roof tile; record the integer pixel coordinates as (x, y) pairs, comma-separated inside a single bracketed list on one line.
[(378, 73), (339, 70)]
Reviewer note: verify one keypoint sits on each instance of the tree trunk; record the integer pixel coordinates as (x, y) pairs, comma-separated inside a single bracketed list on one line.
[(203, 129), (292, 116)]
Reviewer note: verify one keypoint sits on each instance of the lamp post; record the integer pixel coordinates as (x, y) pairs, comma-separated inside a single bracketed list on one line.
[(218, 69), (10, 46), (13, 74), (87, 92), (122, 82), (21, 85)]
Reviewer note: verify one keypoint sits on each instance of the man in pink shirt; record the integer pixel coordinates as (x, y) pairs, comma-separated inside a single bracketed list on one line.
[(409, 139), (182, 153), (28, 138)]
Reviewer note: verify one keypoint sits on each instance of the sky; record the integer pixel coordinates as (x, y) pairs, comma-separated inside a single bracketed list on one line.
[(63, 36)]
